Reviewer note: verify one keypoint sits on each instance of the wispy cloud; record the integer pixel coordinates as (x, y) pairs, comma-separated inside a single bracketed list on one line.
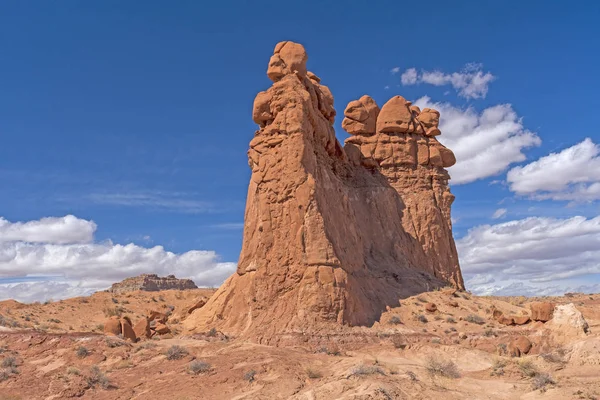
[(471, 82), (499, 213), (394, 70), (174, 202)]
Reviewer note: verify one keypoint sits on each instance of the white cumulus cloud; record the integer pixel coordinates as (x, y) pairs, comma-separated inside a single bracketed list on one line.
[(62, 250), (571, 174), (471, 82), (539, 256), (486, 143)]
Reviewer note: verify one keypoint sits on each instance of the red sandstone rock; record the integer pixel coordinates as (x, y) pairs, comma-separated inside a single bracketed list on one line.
[(199, 303), (360, 116), (157, 316), (430, 307), (332, 234), (506, 320), (541, 311), (519, 346), (162, 329), (127, 330), (112, 326), (521, 320), (142, 328)]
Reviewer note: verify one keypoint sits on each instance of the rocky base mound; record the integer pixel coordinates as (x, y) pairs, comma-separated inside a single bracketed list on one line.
[(152, 283)]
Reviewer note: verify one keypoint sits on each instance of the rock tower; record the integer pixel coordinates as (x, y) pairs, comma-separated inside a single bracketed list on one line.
[(335, 234)]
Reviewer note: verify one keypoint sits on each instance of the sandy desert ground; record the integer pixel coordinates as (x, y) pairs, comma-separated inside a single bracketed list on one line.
[(57, 350)]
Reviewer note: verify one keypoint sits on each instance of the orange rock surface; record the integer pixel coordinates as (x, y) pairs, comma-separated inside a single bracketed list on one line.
[(334, 234)]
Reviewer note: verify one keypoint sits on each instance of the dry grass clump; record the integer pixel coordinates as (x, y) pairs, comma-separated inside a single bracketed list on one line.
[(442, 368), (198, 367), (364, 370), (176, 352)]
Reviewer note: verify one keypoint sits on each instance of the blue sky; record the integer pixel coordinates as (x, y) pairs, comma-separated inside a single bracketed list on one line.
[(137, 116)]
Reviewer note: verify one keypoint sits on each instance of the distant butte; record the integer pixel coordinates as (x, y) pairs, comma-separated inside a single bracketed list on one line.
[(334, 235), (152, 283)]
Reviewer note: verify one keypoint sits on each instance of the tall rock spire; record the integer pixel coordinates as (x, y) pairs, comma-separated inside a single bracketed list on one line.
[(334, 234)]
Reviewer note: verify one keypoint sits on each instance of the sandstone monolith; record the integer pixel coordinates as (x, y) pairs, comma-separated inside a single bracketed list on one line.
[(334, 234)]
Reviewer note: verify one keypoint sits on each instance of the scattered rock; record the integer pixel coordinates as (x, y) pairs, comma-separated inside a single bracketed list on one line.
[(112, 326), (541, 311), (462, 335), (519, 346), (199, 303), (157, 316), (453, 303), (127, 330), (431, 307), (142, 328), (506, 320), (162, 329), (521, 320), (568, 321)]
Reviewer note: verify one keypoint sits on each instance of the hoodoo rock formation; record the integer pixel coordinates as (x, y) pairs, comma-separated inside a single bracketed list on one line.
[(335, 234)]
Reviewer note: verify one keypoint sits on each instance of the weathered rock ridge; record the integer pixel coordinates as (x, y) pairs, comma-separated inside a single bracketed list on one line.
[(152, 283), (335, 234)]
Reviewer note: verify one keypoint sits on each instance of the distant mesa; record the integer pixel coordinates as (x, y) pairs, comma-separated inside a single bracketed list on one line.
[(152, 283), (335, 234)]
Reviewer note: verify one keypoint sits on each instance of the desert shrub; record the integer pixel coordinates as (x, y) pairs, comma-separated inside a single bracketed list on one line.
[(489, 332), (115, 300), (528, 368), (422, 299), (395, 320), (114, 342), (384, 392), (498, 367), (313, 373), (198, 367), (212, 332), (436, 341), (541, 380), (450, 320), (475, 319), (250, 376), (73, 371), (422, 318), (557, 356), (438, 317), (100, 327), (330, 351), (161, 298), (442, 368), (399, 341), (82, 352), (363, 370), (4, 374), (145, 345), (84, 300), (176, 352), (98, 378), (9, 362)]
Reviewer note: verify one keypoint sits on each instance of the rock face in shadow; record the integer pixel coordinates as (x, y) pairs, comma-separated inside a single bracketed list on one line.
[(334, 234)]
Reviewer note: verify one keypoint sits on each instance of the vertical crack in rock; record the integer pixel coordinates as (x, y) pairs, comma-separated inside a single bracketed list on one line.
[(335, 234)]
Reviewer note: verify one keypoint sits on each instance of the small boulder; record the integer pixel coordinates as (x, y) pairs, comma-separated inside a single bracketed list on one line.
[(453, 303), (519, 346), (142, 328), (569, 321), (112, 326), (127, 330), (431, 307), (521, 320), (506, 320), (162, 329), (199, 303), (157, 316), (462, 335), (541, 311)]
